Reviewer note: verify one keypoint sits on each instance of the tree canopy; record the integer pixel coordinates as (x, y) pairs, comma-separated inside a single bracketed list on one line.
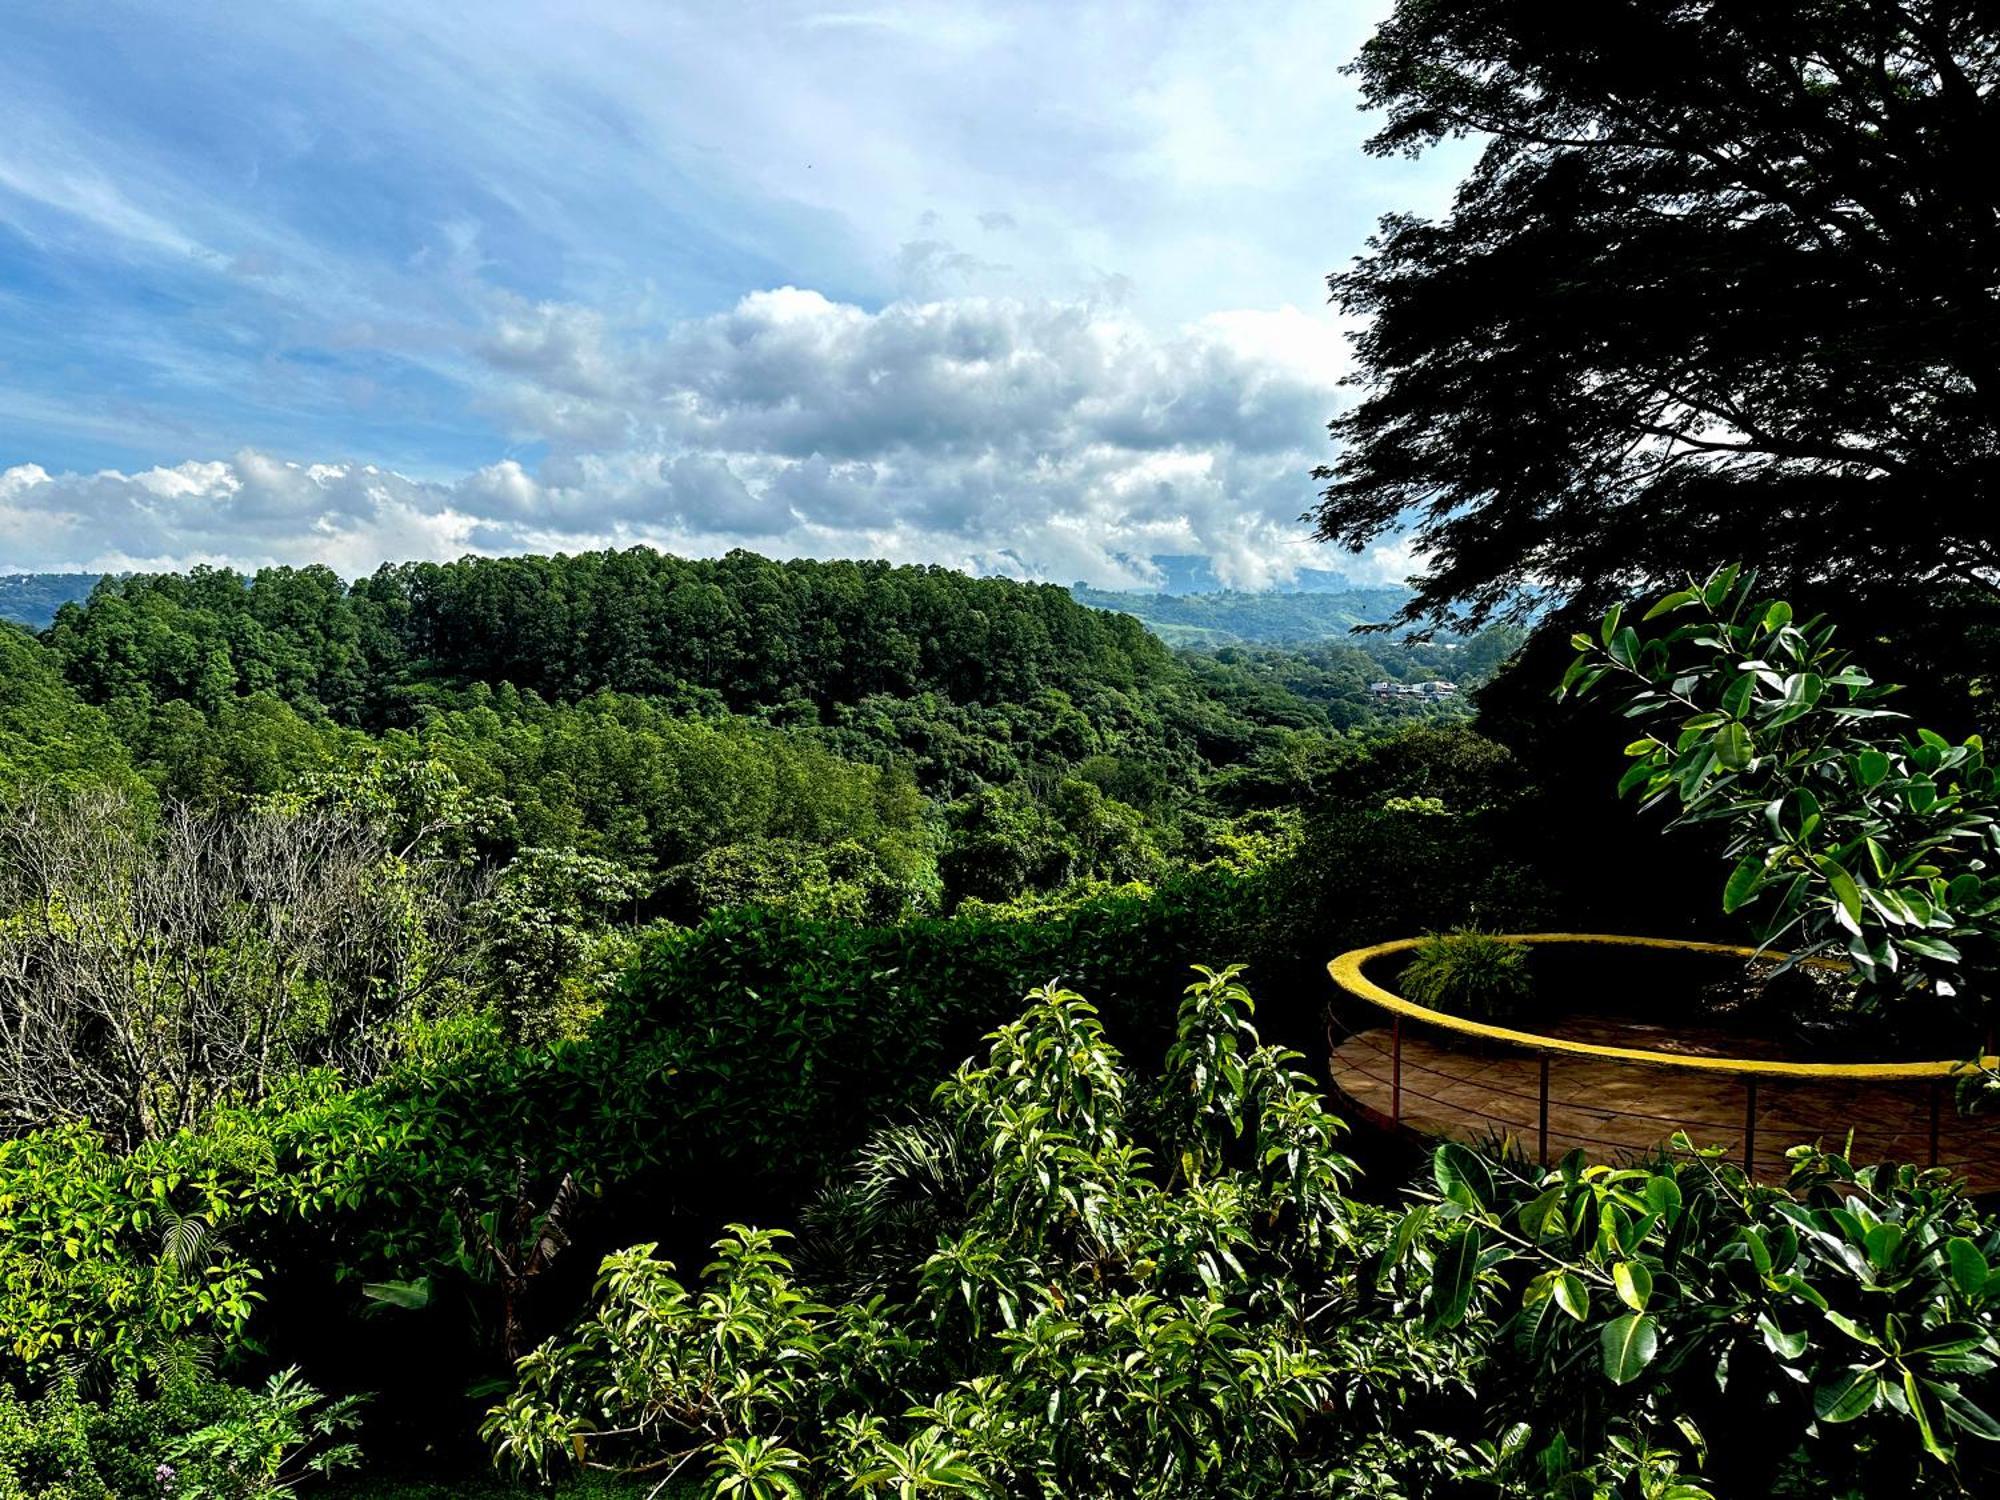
[(1723, 281)]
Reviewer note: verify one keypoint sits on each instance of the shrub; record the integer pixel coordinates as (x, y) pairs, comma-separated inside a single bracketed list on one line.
[(194, 1438), (1060, 1283), (319, 1189), (1471, 974), (1835, 1337)]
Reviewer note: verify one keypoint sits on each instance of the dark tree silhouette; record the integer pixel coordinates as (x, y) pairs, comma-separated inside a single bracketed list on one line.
[(1725, 281)]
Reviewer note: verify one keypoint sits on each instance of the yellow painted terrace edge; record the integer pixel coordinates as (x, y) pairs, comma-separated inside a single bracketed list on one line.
[(1347, 973)]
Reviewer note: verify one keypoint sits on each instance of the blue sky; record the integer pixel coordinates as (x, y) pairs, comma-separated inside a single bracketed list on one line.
[(1026, 289)]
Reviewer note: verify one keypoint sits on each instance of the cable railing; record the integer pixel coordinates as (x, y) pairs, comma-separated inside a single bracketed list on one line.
[(1411, 1068)]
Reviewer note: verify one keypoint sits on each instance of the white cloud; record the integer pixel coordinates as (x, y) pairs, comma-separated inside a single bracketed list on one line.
[(1043, 438)]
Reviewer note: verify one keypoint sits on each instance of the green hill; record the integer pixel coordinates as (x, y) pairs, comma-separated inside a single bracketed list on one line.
[(1236, 615)]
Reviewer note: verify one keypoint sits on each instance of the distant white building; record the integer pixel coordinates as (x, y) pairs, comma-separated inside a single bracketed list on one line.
[(1434, 689)]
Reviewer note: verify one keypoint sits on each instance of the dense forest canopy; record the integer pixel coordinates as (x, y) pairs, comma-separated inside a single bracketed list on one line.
[(1725, 282), (751, 632), (842, 736)]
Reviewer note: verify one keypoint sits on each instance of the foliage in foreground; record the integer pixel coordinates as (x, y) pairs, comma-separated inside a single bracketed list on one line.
[(1063, 1283), (1878, 847), (1058, 1284), (195, 1438)]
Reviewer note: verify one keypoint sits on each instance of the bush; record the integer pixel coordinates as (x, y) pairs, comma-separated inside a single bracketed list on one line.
[(733, 1067), (1059, 1283), (1835, 1337), (195, 1438), (737, 1064), (1471, 974)]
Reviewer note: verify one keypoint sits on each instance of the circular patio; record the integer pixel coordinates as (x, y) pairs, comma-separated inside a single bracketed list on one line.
[(1621, 1085)]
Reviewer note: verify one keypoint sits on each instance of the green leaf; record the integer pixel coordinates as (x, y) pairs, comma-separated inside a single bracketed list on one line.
[(1972, 1420), (1871, 767), (1845, 891), (1736, 697), (1760, 1253), (1882, 1242), (1544, 1215), (1784, 1345), (1734, 748), (1462, 1175), (1637, 774), (1680, 599), (1720, 582), (1778, 615), (1930, 947), (1744, 882), (1969, 1270), (1634, 1283), (1629, 1344), (1572, 1296), (1453, 1274), (1852, 1393), (1609, 629), (411, 1294), (1406, 1231), (1921, 1413)]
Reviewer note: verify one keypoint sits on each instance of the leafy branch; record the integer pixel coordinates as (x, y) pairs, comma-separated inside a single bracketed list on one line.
[(1851, 842)]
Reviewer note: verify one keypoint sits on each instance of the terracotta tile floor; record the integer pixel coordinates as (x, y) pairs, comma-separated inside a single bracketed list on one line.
[(1614, 1109)]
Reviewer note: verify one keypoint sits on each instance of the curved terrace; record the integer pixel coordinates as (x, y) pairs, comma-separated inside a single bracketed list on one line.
[(1614, 1084)]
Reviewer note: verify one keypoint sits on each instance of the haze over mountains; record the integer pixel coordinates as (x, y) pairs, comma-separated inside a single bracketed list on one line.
[(1190, 608)]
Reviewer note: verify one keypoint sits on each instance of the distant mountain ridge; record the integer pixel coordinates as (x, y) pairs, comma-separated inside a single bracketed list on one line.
[(1236, 616), (32, 599), (1191, 573)]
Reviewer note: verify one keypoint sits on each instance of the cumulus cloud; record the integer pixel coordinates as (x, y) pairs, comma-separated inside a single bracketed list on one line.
[(1052, 439)]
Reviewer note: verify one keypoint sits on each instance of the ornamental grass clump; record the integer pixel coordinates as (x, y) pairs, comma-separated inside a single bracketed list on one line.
[(1472, 974)]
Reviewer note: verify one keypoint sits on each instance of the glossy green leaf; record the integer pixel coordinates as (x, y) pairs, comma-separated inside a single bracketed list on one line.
[(1734, 748), (1462, 1175), (1852, 1393), (1454, 1273), (1628, 1345), (1744, 883), (1784, 1345), (1634, 1283), (1679, 599), (1572, 1296), (1969, 1269), (1842, 884)]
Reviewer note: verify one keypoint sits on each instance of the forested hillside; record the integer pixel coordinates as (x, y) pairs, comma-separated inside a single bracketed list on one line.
[(837, 736), (1240, 615), (32, 599), (617, 1026), (664, 879)]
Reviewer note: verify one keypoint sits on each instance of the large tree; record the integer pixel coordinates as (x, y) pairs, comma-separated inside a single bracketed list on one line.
[(1725, 281)]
